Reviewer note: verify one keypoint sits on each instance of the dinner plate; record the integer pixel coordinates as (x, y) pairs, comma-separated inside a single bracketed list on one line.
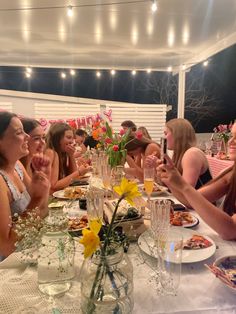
[(223, 263), (60, 194), (146, 244), (186, 224)]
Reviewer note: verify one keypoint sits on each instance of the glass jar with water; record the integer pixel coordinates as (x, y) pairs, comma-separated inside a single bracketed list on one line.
[(56, 256)]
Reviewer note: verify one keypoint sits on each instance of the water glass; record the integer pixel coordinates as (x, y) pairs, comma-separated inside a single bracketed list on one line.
[(95, 204), (170, 257)]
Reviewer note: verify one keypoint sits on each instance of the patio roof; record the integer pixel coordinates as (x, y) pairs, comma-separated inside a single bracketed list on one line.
[(114, 34)]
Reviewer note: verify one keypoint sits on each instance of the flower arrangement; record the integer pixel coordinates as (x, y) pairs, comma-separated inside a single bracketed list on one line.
[(223, 131), (113, 143), (105, 247)]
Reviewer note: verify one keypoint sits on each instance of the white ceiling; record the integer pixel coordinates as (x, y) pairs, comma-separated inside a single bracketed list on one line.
[(125, 35)]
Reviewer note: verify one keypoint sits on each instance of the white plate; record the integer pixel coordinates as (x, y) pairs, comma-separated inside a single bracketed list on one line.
[(146, 244), (163, 190), (189, 224), (218, 262), (60, 194)]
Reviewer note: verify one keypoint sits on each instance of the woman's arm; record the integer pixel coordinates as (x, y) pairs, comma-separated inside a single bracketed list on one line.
[(7, 235), (213, 216)]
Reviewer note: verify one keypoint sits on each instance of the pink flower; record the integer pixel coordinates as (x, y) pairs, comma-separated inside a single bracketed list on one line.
[(115, 148), (122, 132), (138, 135), (108, 140), (104, 129)]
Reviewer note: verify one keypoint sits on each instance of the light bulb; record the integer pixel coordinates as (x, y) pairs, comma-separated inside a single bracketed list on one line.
[(70, 10), (149, 70), (205, 63), (154, 6), (27, 74), (113, 72), (98, 74), (169, 69), (133, 72), (72, 72), (63, 75)]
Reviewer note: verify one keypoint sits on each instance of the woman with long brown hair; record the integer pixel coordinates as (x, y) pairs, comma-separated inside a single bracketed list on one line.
[(190, 161), (60, 150), (222, 220)]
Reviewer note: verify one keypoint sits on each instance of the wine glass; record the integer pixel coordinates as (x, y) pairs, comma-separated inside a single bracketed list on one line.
[(208, 145), (149, 182), (106, 178)]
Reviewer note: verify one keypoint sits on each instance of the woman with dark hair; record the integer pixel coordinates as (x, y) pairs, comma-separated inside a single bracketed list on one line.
[(80, 136), (60, 150), (36, 142), (136, 148), (18, 192), (222, 221)]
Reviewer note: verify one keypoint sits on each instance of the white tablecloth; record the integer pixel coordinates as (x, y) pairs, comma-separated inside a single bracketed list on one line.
[(199, 292)]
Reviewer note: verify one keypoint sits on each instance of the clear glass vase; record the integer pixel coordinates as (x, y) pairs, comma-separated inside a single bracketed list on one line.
[(107, 284), (56, 257)]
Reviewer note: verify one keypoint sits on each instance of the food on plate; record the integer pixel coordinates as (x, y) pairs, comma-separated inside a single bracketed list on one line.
[(225, 270), (74, 192), (130, 214), (196, 242), (180, 218), (75, 223), (125, 211)]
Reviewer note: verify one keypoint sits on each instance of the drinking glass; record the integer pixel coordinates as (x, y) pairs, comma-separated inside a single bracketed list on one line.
[(170, 257), (106, 178), (208, 147), (218, 146), (160, 224), (95, 204), (148, 183)]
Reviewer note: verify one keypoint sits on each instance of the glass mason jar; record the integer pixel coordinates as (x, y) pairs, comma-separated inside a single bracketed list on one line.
[(107, 284), (56, 256)]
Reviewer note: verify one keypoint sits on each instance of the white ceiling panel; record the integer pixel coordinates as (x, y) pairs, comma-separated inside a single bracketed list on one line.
[(121, 34)]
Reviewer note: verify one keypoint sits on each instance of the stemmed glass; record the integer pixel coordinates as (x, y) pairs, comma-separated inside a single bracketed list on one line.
[(208, 145), (160, 224), (149, 182), (106, 178)]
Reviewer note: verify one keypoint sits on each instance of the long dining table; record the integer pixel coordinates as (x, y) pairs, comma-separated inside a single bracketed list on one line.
[(200, 292)]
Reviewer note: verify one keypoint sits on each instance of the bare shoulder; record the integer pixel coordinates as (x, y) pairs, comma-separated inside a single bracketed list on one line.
[(194, 153), (50, 153)]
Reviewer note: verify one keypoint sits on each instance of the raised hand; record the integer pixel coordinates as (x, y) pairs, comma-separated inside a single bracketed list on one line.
[(41, 163), (70, 149), (170, 176)]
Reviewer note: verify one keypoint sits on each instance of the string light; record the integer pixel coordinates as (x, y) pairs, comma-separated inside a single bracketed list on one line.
[(154, 6), (149, 70), (205, 63), (183, 67), (98, 74), (63, 75), (169, 69), (72, 72), (70, 10), (113, 72), (28, 74), (133, 72), (28, 70)]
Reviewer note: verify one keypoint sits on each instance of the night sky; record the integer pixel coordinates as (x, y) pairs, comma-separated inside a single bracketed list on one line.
[(210, 91)]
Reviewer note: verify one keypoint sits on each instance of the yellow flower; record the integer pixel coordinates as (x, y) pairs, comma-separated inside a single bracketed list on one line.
[(128, 189), (90, 238)]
